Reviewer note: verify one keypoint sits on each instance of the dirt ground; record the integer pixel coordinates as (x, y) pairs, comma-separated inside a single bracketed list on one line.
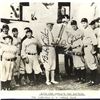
[(65, 83)]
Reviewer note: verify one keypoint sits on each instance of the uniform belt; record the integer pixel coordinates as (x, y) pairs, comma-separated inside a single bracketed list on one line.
[(86, 46), (76, 47), (31, 53), (18, 54), (13, 59), (48, 46)]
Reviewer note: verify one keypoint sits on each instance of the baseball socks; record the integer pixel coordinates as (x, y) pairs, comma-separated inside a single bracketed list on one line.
[(78, 75), (93, 77), (16, 80), (30, 79), (83, 75), (52, 77), (47, 78)]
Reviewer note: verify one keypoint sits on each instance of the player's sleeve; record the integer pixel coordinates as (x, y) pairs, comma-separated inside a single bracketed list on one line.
[(39, 46), (94, 39), (23, 53)]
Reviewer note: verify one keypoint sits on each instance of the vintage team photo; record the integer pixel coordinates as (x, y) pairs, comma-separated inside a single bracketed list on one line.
[(49, 46)]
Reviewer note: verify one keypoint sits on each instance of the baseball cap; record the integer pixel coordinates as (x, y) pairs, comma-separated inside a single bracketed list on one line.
[(5, 26), (73, 22), (84, 20), (92, 22)]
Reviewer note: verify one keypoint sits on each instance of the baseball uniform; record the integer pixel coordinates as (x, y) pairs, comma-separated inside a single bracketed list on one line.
[(29, 50), (77, 47), (8, 59), (17, 43), (89, 41), (48, 56)]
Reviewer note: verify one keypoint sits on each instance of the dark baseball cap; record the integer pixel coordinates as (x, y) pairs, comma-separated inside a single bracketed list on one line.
[(97, 20), (29, 31), (92, 22), (8, 36), (49, 23), (73, 22), (5, 26), (84, 20)]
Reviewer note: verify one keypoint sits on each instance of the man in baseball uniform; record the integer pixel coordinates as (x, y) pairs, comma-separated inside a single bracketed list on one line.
[(97, 22), (17, 43), (29, 54), (89, 41), (8, 60), (48, 56), (77, 49), (95, 31), (23, 73)]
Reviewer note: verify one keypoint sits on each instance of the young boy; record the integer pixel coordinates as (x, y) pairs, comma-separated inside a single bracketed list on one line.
[(8, 60)]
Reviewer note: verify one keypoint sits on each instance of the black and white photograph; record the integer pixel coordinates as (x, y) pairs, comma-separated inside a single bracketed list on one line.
[(50, 46)]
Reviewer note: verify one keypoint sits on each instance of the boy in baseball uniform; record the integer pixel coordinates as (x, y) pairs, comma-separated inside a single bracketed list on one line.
[(89, 41), (29, 54), (8, 60)]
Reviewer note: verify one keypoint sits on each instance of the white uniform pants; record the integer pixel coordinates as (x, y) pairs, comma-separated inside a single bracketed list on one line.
[(33, 65), (50, 64), (89, 58), (6, 70), (17, 66)]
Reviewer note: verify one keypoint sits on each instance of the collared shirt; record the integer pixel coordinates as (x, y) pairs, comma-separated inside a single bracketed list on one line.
[(89, 37), (47, 37), (8, 51), (77, 37), (17, 43), (29, 46), (97, 32)]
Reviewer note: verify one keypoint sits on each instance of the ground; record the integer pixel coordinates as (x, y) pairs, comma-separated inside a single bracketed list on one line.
[(66, 83)]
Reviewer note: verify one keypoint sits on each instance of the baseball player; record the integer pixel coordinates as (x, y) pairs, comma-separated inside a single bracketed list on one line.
[(23, 73), (95, 31), (4, 32), (29, 54), (48, 56), (77, 49), (17, 43), (8, 60), (97, 22), (89, 41)]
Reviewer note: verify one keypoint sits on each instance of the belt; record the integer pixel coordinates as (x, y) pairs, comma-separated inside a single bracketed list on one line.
[(31, 53), (76, 47), (13, 59), (48, 46), (18, 54), (85, 46)]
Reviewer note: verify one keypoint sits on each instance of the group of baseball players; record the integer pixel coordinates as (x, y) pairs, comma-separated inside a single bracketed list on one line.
[(20, 57)]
